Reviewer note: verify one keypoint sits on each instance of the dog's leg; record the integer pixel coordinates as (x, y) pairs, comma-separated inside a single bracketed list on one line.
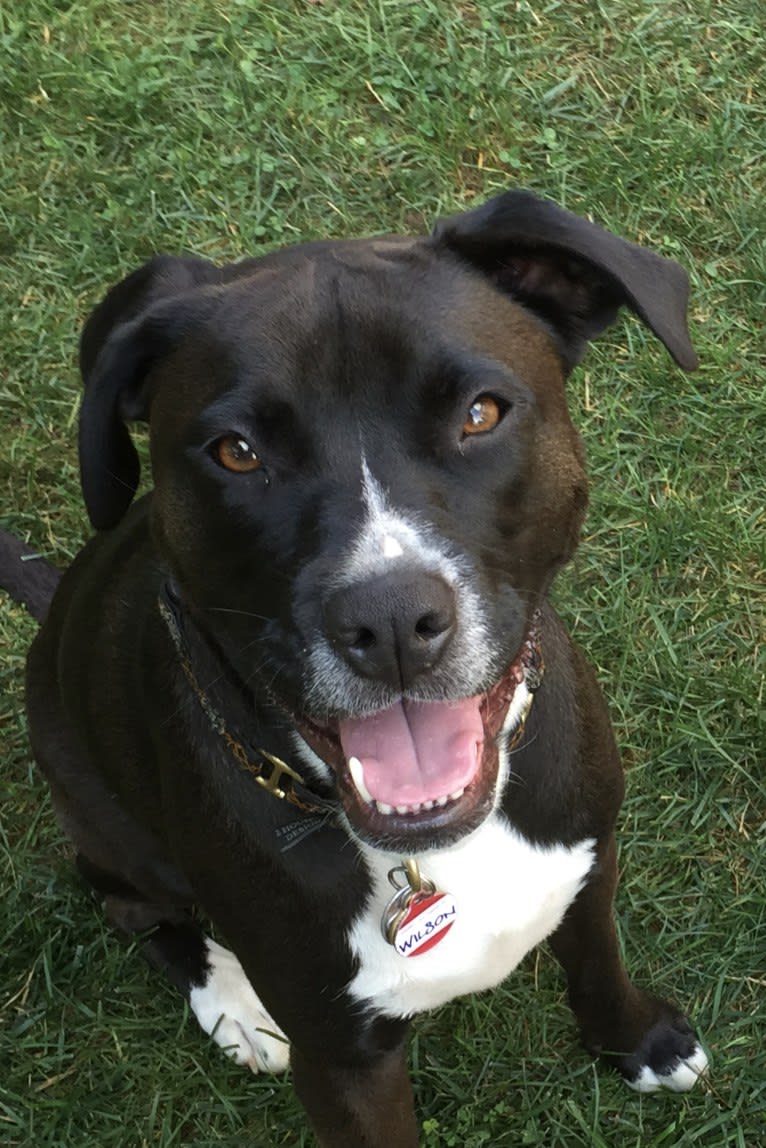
[(367, 1106), (210, 977), (226, 1005), (647, 1039)]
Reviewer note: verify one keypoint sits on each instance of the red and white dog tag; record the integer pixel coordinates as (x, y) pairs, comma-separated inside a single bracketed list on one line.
[(418, 916), (427, 920)]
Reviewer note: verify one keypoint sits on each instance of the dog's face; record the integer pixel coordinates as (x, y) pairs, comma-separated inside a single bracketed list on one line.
[(366, 477), (369, 485)]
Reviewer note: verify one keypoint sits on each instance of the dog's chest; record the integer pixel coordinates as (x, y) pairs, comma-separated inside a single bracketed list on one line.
[(509, 896)]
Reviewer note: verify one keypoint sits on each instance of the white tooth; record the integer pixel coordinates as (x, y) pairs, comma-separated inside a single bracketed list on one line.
[(404, 809), (356, 769), (458, 793), (383, 808), (428, 805), (441, 800)]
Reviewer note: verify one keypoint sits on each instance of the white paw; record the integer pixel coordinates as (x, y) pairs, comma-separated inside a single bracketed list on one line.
[(680, 1078), (227, 1007)]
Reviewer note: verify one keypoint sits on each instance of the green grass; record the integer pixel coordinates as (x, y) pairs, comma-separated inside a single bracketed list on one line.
[(229, 127)]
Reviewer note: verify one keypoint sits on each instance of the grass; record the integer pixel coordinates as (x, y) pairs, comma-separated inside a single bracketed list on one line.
[(225, 128)]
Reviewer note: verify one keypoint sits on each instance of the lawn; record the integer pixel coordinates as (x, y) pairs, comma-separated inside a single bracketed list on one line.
[(226, 128)]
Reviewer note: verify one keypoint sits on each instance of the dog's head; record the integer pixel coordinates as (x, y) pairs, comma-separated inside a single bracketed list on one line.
[(366, 476)]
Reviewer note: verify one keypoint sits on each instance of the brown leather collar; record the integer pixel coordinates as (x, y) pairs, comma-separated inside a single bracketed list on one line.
[(274, 775)]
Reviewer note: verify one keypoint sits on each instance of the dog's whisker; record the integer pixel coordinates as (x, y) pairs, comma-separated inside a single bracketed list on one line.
[(242, 613)]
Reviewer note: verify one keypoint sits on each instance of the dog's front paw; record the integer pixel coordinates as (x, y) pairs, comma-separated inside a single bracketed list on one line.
[(227, 1007), (669, 1056)]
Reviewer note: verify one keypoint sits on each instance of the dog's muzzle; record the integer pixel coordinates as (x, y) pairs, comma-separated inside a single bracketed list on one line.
[(417, 772), (407, 776)]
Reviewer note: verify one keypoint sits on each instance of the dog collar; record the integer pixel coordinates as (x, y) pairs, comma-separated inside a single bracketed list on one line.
[(271, 773)]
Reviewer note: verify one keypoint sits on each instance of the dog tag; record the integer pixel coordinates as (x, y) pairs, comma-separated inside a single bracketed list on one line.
[(426, 921), (418, 916)]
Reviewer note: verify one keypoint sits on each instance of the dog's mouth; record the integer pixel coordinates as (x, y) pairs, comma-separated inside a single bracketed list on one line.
[(420, 772), (416, 774)]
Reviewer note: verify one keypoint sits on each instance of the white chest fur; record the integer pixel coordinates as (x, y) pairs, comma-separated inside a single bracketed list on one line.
[(510, 895)]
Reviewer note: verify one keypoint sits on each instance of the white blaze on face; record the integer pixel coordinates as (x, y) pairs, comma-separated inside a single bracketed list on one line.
[(386, 535), (387, 539), (391, 548)]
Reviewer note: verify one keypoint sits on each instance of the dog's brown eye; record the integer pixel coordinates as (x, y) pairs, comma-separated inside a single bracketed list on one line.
[(235, 453), (484, 414)]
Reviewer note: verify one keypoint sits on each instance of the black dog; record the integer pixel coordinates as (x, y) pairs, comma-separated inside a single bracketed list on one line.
[(312, 683)]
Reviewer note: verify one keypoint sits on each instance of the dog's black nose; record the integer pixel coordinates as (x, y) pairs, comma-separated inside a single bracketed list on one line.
[(393, 627)]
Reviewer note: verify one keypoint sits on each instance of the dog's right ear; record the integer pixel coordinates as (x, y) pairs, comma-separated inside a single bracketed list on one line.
[(138, 322)]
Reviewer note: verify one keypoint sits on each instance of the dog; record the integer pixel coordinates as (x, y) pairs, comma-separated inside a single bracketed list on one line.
[(311, 685)]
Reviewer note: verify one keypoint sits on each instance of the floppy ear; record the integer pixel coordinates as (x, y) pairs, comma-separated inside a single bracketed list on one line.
[(140, 320), (575, 275)]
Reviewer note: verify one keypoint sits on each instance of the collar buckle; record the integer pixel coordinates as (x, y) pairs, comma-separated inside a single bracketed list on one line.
[(271, 782)]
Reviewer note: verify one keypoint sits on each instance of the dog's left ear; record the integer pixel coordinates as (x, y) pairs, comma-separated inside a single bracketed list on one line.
[(575, 275)]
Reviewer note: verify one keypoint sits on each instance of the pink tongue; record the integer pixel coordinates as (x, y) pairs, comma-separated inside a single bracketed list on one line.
[(416, 751)]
